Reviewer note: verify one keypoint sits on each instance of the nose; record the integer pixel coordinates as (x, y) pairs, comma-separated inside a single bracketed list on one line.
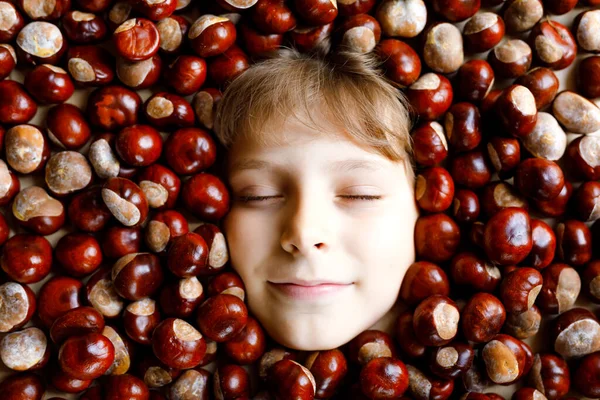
[(307, 226)]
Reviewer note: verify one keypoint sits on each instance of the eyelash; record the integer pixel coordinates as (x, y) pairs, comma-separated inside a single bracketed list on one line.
[(247, 199)]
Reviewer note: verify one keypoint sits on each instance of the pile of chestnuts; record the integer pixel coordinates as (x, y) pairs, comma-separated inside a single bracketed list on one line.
[(108, 293)]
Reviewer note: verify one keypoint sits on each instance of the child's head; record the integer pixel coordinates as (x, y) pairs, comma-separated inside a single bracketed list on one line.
[(306, 133)]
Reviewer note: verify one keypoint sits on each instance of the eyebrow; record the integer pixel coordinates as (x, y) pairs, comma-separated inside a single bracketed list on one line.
[(334, 166)]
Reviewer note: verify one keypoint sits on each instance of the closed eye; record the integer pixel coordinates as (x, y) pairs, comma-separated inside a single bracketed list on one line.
[(247, 199)]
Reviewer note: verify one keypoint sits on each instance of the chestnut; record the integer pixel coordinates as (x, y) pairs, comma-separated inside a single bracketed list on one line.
[(539, 179), (525, 324), (431, 95), (218, 254), (520, 288), (272, 356), (329, 368), (16, 106), (507, 236), (24, 350), (178, 344), (83, 28), (589, 68), (585, 201), (49, 84), (510, 59), (26, 258), (430, 146), (227, 282), (257, 43), (56, 297), (155, 10), (12, 22), (462, 123), (91, 65), (227, 66), (163, 176), (590, 281), (78, 321), (67, 127), (186, 74), (307, 38), (585, 377), (222, 317), (126, 386), (475, 272), (32, 50), (172, 31), (65, 383), (560, 289), (247, 346), (86, 357), (361, 33), (373, 386), (8, 60), (499, 195), (210, 35), (274, 16), (504, 359), (231, 381), (424, 386), (137, 275), (125, 200), (118, 241), (163, 228), (139, 74), (542, 83), (423, 279), (553, 44), (206, 197), (483, 32), (400, 62), (87, 211), (139, 145), (522, 15), (437, 237), (136, 39), (41, 11), (434, 189), (35, 210), (289, 378), (550, 375), (474, 80), (193, 383), (23, 386), (165, 110), (443, 49), (482, 317), (576, 113), (470, 169), (451, 360), (156, 374), (517, 110), (547, 139), (139, 320), (17, 305), (180, 298), (557, 206), (187, 256), (575, 333), (465, 206), (78, 253), (26, 148), (574, 242), (436, 320), (67, 172), (402, 18), (113, 107), (123, 351), (544, 245)]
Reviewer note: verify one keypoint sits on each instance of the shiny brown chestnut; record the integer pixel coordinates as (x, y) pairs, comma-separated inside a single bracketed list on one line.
[(172, 31), (557, 206), (186, 74), (470, 270), (591, 281), (188, 255), (574, 333), (139, 74), (41, 11), (155, 10), (370, 344), (400, 62), (574, 242), (17, 305), (23, 386), (231, 381), (451, 360), (25, 350), (86, 357), (163, 176), (437, 237), (539, 179), (79, 254), (117, 387), (49, 84), (218, 254), (431, 95), (154, 373), (8, 60), (423, 279), (499, 195), (178, 344), (430, 146), (560, 289), (162, 228), (257, 43), (247, 346), (395, 384), (16, 106), (510, 59), (227, 66), (585, 379), (33, 51), (316, 12), (211, 35), (100, 293), (139, 145), (190, 150), (553, 44), (57, 296), (222, 317), (118, 241), (206, 196), (482, 317), (329, 368), (125, 200), (113, 107), (504, 359), (83, 28), (78, 321), (87, 211), (136, 39), (139, 320), (13, 22), (180, 298), (166, 110), (443, 48), (436, 320), (137, 275), (274, 16), (124, 351), (585, 200), (462, 123), (542, 83), (90, 65), (227, 282), (26, 258), (520, 288), (517, 110), (507, 236), (474, 80), (544, 245), (525, 324), (35, 210), (470, 169), (67, 127), (434, 189), (483, 32), (361, 33), (65, 383), (307, 38), (588, 77), (521, 16), (400, 18)]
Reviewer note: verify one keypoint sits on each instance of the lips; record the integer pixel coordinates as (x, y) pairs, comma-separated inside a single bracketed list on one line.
[(310, 292)]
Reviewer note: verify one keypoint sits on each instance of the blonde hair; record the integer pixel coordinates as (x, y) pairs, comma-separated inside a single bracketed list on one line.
[(356, 96)]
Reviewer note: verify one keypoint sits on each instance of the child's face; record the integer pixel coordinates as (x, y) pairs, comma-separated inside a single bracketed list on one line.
[(309, 231)]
